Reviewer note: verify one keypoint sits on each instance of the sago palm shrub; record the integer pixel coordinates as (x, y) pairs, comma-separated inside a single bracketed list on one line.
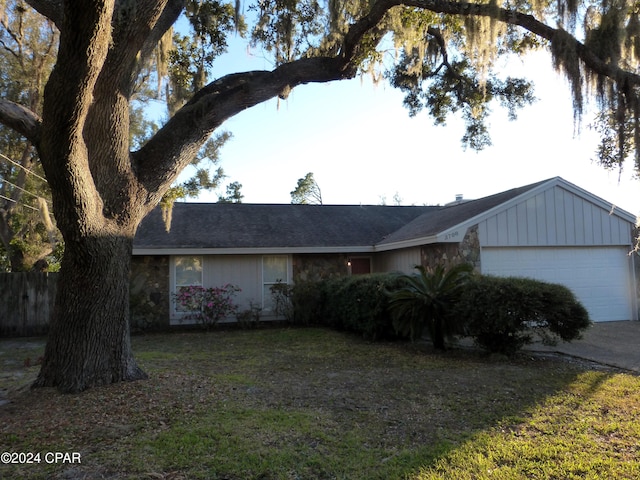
[(426, 300)]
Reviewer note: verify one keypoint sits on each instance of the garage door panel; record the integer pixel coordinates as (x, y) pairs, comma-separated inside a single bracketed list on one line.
[(600, 277)]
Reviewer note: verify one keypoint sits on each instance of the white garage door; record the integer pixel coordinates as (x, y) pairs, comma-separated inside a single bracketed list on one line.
[(599, 276)]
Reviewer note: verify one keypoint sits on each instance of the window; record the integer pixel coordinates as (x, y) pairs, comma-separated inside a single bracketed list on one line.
[(187, 273), (275, 269)]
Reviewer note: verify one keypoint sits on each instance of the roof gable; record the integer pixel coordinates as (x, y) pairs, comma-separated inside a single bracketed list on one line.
[(450, 223), (558, 215)]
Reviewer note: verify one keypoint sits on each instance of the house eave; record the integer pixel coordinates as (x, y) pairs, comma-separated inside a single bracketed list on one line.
[(414, 242), (252, 250)]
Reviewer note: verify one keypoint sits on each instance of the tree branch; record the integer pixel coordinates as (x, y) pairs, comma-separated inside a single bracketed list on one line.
[(367, 23), (20, 119), (437, 34), (226, 97), (137, 29), (52, 9), (173, 146), (169, 15)]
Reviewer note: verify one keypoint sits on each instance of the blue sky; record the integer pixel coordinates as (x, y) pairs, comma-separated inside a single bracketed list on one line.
[(362, 146)]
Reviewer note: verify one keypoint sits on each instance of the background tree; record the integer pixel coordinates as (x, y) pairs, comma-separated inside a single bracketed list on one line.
[(234, 195), (397, 199), (102, 186), (307, 191), (28, 44)]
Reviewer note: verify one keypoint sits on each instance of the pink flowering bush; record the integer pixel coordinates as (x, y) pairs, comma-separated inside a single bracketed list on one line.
[(207, 305)]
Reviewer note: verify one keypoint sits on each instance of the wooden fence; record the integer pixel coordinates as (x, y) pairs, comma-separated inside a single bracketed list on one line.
[(26, 303)]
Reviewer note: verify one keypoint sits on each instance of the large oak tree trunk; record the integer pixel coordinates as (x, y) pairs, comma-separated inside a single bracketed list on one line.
[(89, 342), (98, 203)]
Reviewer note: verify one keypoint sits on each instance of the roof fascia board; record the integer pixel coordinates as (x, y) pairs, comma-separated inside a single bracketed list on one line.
[(416, 242), (252, 250)]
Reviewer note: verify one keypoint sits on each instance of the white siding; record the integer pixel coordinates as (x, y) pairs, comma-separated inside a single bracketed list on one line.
[(403, 260), (554, 217)]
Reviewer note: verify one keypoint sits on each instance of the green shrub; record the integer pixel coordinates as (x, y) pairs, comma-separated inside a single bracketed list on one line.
[(356, 303), (281, 295), (504, 314), (307, 301), (249, 317)]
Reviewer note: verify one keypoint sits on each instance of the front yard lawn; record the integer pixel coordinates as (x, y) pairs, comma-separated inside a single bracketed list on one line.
[(317, 404)]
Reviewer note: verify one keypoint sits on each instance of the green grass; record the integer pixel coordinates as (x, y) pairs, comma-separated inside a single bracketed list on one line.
[(317, 404), (589, 430)]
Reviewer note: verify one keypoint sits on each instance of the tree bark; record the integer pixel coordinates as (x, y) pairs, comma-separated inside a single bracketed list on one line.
[(89, 343)]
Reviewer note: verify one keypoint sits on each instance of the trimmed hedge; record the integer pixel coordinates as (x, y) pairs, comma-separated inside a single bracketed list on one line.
[(504, 314), (356, 304), (500, 314)]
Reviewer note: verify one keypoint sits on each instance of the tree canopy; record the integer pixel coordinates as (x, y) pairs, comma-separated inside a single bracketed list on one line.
[(444, 52), (441, 53)]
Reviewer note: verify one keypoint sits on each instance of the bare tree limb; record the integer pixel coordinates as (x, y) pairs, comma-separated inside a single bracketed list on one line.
[(20, 119), (219, 101), (52, 9)]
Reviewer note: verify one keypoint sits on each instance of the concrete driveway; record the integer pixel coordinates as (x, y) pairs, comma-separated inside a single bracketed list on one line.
[(616, 344)]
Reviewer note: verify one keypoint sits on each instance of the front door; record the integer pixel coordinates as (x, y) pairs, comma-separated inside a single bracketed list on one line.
[(360, 265)]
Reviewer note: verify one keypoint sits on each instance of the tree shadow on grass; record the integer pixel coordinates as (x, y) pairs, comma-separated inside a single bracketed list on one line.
[(562, 431)]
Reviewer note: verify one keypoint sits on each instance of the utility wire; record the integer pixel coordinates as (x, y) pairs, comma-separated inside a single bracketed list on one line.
[(25, 169), (23, 190), (23, 204), (19, 188)]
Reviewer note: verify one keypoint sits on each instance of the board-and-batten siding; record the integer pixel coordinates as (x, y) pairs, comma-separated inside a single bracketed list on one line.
[(554, 217)]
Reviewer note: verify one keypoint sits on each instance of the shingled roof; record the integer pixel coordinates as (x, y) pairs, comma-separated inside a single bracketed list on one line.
[(245, 226)]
